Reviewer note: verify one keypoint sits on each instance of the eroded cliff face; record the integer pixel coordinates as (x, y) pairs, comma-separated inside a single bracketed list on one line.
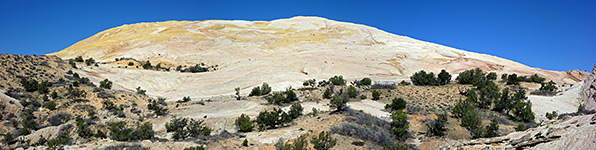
[(589, 91)]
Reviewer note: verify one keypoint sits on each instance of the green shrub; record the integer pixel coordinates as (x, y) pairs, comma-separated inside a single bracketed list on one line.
[(295, 110), (512, 79), (184, 99), (522, 107), (421, 78), (491, 76), (29, 85), (119, 131), (324, 141), (271, 119), (521, 127), (8, 138), (339, 103), (366, 81), (492, 130), (473, 76), (72, 64), (244, 123), (141, 91), (131, 63), (362, 96), (352, 93), (504, 77), (461, 107), (552, 115), (550, 86), (245, 143), (310, 82), (396, 104), (89, 61), (328, 93), (437, 127), (79, 59), (397, 146), (283, 97), (237, 89), (100, 134), (337, 80), (404, 83), (83, 128), (60, 140), (487, 94), (536, 79), (299, 143), (195, 148), (444, 77), (106, 84), (399, 125), (184, 128), (158, 110), (51, 105), (260, 90), (375, 95), (147, 65), (505, 103), (472, 121)]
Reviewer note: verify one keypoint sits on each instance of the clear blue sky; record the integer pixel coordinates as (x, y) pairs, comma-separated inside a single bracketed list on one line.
[(558, 35)]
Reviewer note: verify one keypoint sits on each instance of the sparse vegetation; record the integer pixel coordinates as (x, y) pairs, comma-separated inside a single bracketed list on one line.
[(337, 80), (272, 119), (299, 143), (421, 78), (158, 110), (295, 110), (106, 84), (399, 125), (244, 123), (444, 77), (472, 121), (324, 141), (141, 91), (396, 104), (521, 127), (352, 93), (366, 81), (310, 82), (375, 95), (339, 103), (548, 89), (184, 99), (437, 127), (260, 90), (552, 115), (89, 61), (184, 128), (328, 92), (119, 131), (282, 97), (147, 65)]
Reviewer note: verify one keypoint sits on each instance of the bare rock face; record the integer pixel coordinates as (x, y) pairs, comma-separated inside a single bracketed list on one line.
[(588, 92), (573, 133)]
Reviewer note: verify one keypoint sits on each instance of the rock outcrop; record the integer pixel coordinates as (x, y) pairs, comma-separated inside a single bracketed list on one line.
[(282, 52), (588, 92), (574, 133)]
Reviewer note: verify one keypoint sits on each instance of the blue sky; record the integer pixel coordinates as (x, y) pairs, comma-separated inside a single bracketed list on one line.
[(554, 35)]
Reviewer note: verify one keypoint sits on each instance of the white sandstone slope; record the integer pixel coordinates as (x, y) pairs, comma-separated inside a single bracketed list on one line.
[(282, 52)]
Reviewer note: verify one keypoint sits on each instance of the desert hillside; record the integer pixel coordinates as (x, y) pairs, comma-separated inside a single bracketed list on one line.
[(283, 52)]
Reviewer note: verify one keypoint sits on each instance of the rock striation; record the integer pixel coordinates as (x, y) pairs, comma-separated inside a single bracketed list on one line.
[(588, 92), (296, 49)]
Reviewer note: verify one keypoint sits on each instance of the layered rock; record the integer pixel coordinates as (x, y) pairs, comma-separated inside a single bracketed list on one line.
[(296, 49), (588, 92)]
